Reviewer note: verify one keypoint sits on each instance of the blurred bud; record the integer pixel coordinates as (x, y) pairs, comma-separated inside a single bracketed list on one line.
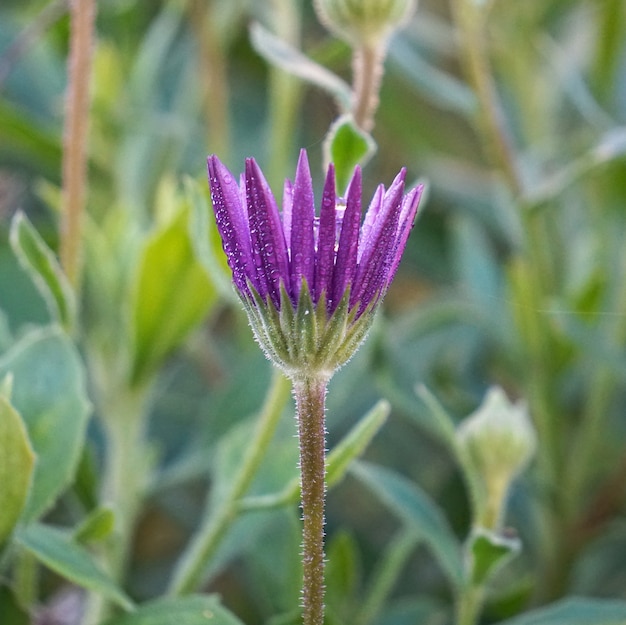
[(364, 22), (498, 440)]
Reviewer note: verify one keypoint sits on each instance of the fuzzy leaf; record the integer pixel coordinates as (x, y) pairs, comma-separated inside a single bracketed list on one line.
[(347, 146), (53, 548), (172, 295), (49, 393), (44, 269), (281, 54), (16, 467), (417, 510), (575, 611), (194, 610)]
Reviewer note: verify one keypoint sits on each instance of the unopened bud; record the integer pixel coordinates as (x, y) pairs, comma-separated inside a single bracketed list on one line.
[(498, 440), (364, 22)]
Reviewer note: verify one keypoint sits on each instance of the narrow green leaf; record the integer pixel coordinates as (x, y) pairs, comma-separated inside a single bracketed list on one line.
[(49, 393), (23, 139), (96, 527), (53, 548), (355, 442), (194, 610), (172, 295), (282, 55), (488, 552), (337, 461), (575, 611), (442, 422), (417, 510), (16, 467), (347, 146), (44, 269)]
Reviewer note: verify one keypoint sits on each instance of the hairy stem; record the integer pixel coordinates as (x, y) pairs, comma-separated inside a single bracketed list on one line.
[(367, 68), (310, 394), (190, 570), (83, 13)]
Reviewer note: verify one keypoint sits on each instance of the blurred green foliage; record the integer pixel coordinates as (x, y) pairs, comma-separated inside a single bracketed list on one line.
[(515, 275)]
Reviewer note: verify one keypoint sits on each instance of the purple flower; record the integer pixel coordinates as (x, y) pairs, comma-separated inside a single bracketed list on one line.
[(326, 263)]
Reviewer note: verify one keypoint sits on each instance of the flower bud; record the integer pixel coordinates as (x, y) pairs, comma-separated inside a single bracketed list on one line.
[(497, 441), (364, 22)]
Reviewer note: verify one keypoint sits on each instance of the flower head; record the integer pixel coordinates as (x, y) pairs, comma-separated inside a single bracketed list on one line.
[(310, 283), (364, 22)]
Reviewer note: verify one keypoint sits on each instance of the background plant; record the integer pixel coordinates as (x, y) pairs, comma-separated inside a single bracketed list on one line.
[(514, 113)]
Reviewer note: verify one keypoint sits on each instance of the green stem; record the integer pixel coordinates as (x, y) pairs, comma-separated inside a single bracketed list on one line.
[(386, 576), (310, 394), (74, 190), (469, 604), (126, 470), (190, 569), (470, 17)]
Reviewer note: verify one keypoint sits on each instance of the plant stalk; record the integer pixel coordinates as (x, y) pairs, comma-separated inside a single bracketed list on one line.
[(74, 174), (190, 569), (367, 69), (310, 394)]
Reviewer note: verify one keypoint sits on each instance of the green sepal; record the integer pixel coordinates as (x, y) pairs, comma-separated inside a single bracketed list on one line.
[(306, 323), (304, 338)]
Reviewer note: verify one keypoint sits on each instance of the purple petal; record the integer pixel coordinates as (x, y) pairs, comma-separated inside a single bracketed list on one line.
[(302, 238), (325, 258), (346, 263), (370, 218), (407, 218), (373, 223), (380, 247), (266, 234), (287, 209), (231, 222)]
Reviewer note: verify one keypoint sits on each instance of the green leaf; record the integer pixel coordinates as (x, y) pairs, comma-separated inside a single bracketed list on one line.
[(49, 393), (347, 146), (417, 510), (171, 296), (355, 442), (575, 611), (282, 55), (22, 138), (53, 548), (96, 527), (488, 552), (342, 573), (193, 610), (16, 467), (12, 613), (338, 460), (46, 273)]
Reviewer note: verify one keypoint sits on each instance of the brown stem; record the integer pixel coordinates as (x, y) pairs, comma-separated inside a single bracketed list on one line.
[(367, 68), (310, 393), (82, 16)]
